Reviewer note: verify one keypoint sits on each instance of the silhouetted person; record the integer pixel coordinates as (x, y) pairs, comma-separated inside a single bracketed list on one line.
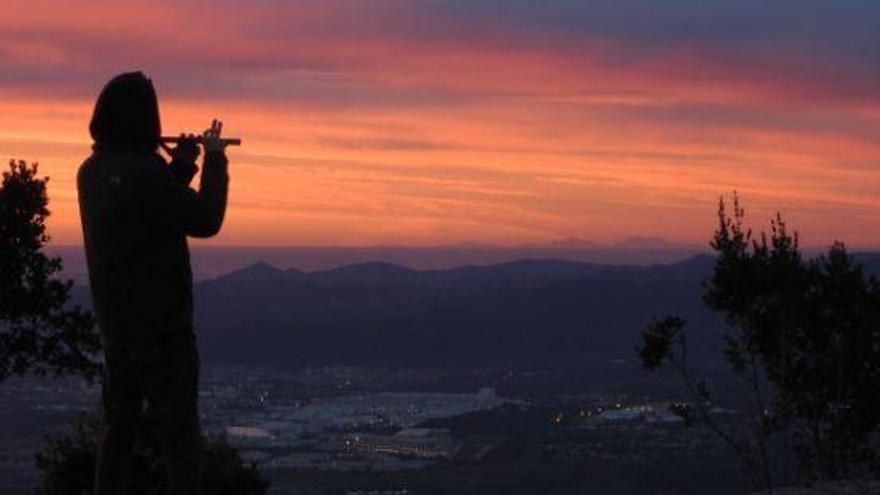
[(137, 211)]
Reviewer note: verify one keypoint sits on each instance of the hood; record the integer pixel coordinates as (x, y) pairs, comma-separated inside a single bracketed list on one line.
[(126, 116)]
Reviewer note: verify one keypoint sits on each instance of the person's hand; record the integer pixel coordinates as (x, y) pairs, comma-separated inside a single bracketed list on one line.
[(211, 137), (183, 158), (186, 151)]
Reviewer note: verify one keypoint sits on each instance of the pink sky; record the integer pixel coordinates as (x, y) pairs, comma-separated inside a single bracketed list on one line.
[(422, 122)]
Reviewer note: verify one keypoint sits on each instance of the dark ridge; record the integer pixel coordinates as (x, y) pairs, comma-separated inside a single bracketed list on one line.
[(532, 312), (257, 271), (365, 273)]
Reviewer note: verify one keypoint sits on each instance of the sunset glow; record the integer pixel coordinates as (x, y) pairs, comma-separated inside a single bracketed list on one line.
[(416, 122)]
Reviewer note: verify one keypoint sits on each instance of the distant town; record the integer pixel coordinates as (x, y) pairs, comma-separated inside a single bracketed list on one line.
[(355, 430)]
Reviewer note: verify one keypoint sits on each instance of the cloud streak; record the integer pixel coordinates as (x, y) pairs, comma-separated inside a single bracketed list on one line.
[(489, 120)]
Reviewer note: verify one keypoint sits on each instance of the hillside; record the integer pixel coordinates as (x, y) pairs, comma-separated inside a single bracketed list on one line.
[(538, 312), (529, 312)]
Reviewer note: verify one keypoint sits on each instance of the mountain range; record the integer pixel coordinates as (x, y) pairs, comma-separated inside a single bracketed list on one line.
[(210, 261), (531, 313), (542, 312)]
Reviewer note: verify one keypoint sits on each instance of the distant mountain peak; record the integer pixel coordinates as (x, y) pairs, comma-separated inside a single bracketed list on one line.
[(374, 272), (477, 245), (257, 271), (373, 266), (574, 242), (646, 242)]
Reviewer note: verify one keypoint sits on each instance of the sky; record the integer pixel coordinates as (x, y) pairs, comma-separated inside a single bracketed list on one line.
[(436, 122)]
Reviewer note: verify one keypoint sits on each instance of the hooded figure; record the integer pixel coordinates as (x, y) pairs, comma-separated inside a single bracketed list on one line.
[(136, 212), (126, 116)]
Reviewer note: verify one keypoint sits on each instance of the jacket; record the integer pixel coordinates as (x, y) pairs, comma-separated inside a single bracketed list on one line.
[(136, 214)]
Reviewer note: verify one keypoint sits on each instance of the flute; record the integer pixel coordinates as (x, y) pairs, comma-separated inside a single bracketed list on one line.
[(198, 140)]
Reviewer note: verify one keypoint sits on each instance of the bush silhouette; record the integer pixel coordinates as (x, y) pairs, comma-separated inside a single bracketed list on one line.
[(68, 463)]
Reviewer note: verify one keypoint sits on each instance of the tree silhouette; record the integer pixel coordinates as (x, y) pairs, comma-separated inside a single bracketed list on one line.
[(39, 331), (806, 340)]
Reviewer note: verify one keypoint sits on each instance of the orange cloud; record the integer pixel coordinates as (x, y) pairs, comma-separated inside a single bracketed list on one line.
[(407, 124)]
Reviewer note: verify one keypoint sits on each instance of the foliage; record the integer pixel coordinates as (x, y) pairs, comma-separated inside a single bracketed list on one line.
[(806, 340), (68, 463), (39, 332)]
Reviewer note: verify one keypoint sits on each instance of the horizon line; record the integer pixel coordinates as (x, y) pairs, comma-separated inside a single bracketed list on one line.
[(480, 246)]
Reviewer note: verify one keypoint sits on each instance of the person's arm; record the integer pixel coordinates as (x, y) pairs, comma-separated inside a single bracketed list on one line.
[(175, 206), (213, 193), (167, 204)]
